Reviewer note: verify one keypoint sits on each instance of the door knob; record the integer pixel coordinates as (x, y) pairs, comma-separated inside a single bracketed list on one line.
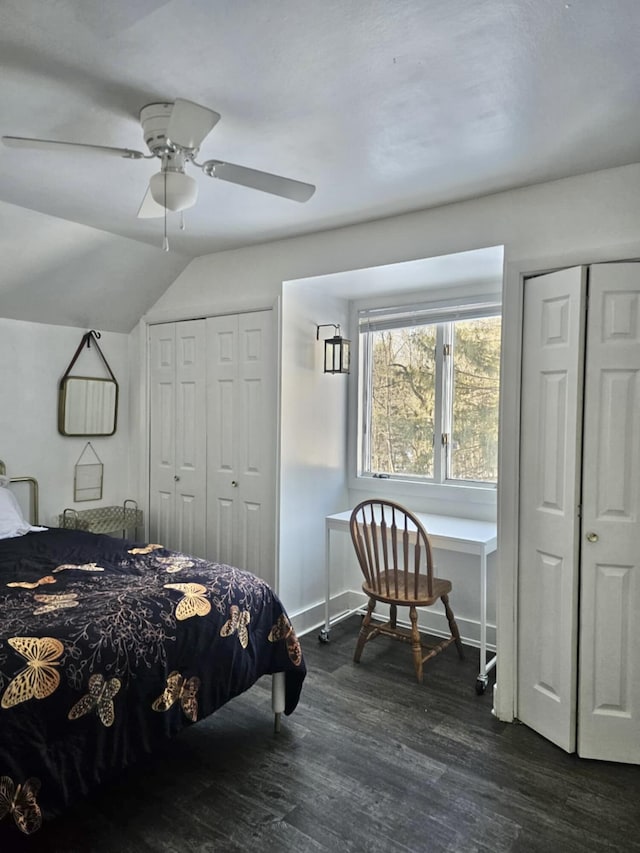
[(234, 483), (592, 537), (176, 478)]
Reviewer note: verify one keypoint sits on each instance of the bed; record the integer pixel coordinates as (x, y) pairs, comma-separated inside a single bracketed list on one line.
[(108, 647)]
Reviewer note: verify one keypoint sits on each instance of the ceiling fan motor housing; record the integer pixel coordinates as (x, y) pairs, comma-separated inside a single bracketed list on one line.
[(154, 119)]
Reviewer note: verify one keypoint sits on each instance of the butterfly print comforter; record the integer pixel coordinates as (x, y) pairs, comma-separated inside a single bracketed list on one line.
[(107, 648)]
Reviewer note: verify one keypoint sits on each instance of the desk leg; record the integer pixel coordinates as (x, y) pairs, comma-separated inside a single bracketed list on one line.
[(485, 667), (323, 636)]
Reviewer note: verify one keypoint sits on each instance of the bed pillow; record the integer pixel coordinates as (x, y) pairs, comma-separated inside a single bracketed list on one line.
[(12, 521)]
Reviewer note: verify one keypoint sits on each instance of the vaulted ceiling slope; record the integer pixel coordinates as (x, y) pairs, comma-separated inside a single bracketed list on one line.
[(385, 105), (59, 272)]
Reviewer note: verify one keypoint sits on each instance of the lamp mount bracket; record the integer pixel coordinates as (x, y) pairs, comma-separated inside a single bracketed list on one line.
[(335, 326)]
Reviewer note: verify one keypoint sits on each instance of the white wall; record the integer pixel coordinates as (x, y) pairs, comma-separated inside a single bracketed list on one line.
[(33, 358), (586, 218), (600, 209), (475, 273), (313, 450)]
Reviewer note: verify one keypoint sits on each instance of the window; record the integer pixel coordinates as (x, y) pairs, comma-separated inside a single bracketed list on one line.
[(429, 384)]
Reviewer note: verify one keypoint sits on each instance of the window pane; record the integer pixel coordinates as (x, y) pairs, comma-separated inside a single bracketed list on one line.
[(476, 377), (402, 401)]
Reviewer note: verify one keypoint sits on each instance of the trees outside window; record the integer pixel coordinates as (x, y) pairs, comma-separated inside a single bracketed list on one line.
[(430, 395), (475, 367)]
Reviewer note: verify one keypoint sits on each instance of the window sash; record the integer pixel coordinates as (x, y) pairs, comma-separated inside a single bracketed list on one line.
[(442, 316)]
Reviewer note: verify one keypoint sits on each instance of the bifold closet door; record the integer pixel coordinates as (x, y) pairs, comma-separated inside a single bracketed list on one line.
[(241, 418), (550, 460), (177, 439), (609, 670), (579, 560)]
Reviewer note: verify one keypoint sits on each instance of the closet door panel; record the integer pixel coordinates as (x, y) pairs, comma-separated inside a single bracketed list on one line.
[(222, 345), (162, 432), (549, 476), (222, 525), (191, 436), (241, 419), (177, 442), (224, 416), (188, 529), (251, 542), (257, 443), (162, 526), (222, 437), (166, 426), (609, 698)]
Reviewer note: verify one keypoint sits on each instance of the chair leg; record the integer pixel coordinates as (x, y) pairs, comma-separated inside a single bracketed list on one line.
[(452, 625), (393, 615), (416, 645), (364, 630)]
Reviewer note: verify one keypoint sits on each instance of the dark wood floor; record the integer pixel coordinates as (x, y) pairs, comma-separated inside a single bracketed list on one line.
[(370, 761)]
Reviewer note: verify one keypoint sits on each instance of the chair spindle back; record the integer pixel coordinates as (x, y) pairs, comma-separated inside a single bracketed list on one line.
[(393, 549)]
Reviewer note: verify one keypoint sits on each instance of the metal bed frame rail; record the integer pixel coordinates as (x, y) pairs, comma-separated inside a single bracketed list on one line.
[(34, 493)]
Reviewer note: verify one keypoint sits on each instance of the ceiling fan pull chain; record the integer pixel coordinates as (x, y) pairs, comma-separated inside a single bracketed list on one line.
[(165, 239)]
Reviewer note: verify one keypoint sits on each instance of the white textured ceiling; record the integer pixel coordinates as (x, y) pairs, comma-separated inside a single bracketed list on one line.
[(386, 105)]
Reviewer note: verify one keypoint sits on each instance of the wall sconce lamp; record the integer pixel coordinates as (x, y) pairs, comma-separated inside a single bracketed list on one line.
[(337, 350)]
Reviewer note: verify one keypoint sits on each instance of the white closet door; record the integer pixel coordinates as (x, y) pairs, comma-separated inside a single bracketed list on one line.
[(162, 442), (609, 694), (191, 438), (241, 442), (177, 506), (222, 417), (552, 381), (256, 445)]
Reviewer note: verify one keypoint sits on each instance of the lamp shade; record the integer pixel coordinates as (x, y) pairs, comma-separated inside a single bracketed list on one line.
[(337, 355), (173, 190)]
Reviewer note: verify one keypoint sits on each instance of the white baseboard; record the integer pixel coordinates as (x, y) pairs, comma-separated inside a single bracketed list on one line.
[(430, 620)]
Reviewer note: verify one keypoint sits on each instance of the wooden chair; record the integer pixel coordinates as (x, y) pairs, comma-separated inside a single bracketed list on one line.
[(394, 553)]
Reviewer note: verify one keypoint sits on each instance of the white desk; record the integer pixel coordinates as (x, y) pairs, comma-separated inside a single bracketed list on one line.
[(463, 535)]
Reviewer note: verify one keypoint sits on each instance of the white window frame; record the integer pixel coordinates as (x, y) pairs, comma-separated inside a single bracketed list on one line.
[(437, 313)]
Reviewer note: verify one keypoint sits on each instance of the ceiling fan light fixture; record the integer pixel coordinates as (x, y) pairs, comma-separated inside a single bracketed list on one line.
[(173, 190)]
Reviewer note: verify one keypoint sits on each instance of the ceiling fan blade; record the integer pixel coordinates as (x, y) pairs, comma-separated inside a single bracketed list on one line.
[(190, 123), (150, 209), (264, 181), (51, 144)]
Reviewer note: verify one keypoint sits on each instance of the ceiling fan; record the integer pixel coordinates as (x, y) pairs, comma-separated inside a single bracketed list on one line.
[(174, 132)]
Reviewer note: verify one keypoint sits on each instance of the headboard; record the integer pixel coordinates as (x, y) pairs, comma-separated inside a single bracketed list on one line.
[(33, 488)]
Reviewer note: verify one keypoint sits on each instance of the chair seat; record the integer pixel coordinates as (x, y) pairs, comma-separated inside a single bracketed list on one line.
[(423, 599)]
